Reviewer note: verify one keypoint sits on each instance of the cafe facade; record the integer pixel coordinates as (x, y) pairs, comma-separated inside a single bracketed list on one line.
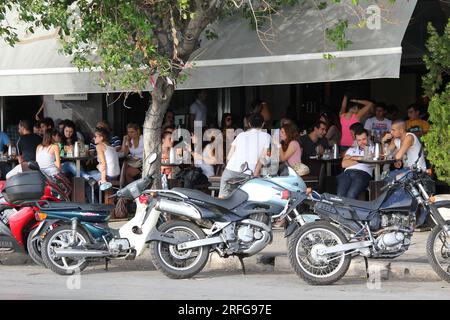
[(288, 71)]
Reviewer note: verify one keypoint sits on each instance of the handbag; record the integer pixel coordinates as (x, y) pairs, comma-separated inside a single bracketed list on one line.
[(301, 169), (134, 162)]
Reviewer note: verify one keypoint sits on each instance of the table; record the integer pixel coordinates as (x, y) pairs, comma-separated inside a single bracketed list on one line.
[(328, 162), (78, 183), (378, 164), (77, 162)]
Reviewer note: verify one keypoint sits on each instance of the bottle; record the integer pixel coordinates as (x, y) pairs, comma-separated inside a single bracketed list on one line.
[(76, 149), (335, 151), (377, 151), (172, 155)]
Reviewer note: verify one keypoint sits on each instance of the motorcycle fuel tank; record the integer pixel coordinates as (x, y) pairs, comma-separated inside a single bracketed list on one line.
[(398, 200), (263, 190)]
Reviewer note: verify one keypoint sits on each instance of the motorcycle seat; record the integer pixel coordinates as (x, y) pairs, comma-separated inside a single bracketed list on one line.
[(235, 199), (368, 205), (75, 206)]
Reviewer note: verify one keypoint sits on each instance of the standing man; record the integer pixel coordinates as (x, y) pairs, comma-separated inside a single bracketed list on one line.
[(378, 125), (407, 147), (414, 124), (356, 176), (198, 109), (251, 147), (26, 146)]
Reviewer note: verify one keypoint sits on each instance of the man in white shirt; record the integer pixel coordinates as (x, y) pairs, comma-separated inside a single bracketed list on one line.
[(378, 125), (251, 147), (407, 146), (198, 109), (356, 176)]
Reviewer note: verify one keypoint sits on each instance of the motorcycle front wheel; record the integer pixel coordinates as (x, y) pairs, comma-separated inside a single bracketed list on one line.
[(303, 251), (58, 238), (438, 252), (179, 264)]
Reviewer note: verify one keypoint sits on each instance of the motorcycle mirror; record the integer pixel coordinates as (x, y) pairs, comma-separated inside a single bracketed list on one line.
[(244, 166), (33, 165), (152, 158)]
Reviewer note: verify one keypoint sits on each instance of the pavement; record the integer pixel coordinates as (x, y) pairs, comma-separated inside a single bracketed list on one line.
[(413, 265)]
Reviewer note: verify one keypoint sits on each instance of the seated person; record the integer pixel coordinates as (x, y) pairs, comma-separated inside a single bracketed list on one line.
[(114, 141), (314, 143), (357, 128), (356, 176), (49, 160), (133, 148), (407, 147), (26, 147), (415, 124)]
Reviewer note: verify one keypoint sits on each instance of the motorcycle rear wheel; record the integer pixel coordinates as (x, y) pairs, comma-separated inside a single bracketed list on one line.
[(60, 237), (179, 264), (316, 269), (438, 252), (34, 249)]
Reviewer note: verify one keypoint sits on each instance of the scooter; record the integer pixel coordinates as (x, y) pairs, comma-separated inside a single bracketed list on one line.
[(240, 225), (83, 235), (17, 217)]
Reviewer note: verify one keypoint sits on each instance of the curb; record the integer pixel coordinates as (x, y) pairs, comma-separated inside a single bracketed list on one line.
[(385, 270)]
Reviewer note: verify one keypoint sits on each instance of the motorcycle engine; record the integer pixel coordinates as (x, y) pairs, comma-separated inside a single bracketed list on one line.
[(6, 215), (249, 238), (394, 237), (118, 246)]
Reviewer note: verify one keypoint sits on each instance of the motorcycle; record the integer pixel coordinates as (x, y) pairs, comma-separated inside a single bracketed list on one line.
[(17, 217), (83, 234), (240, 225), (320, 252)]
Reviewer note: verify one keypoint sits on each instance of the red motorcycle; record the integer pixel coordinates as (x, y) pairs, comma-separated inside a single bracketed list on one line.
[(18, 219)]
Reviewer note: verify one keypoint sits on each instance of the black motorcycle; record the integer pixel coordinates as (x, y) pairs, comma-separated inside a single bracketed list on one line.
[(320, 252)]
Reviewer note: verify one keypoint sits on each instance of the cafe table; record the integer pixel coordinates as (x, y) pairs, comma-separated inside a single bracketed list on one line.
[(78, 188), (77, 162), (378, 163), (328, 162)]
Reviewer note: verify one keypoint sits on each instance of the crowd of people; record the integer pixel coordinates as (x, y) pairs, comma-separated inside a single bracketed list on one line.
[(47, 143), (358, 126)]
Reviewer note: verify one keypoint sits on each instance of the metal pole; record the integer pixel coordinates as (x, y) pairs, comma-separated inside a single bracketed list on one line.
[(2, 105)]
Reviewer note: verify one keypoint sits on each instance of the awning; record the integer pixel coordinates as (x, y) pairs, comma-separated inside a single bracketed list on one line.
[(291, 53)]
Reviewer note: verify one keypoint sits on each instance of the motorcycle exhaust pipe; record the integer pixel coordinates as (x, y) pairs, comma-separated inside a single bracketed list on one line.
[(76, 253), (178, 208)]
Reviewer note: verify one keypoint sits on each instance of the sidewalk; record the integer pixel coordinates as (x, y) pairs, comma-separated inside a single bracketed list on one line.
[(411, 265)]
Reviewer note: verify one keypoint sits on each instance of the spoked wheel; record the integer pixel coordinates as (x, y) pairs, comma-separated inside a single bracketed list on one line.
[(58, 238), (304, 253), (34, 247), (175, 263), (438, 252)]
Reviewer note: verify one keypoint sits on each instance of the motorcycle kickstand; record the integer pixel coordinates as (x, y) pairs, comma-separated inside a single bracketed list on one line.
[(366, 262), (106, 263), (241, 260)]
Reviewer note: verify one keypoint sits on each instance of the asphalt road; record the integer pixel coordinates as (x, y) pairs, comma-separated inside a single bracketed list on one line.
[(126, 280)]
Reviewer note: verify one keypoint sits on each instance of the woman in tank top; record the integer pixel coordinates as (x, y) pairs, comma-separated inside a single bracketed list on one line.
[(133, 148), (49, 160), (48, 155), (108, 160), (350, 114)]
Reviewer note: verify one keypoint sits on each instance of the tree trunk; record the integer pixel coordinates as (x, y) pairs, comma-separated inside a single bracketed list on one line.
[(161, 95)]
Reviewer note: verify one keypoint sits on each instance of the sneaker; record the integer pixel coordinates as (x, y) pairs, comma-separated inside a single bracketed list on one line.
[(105, 186)]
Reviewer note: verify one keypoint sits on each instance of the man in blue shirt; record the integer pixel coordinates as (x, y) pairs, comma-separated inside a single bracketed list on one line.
[(4, 141)]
